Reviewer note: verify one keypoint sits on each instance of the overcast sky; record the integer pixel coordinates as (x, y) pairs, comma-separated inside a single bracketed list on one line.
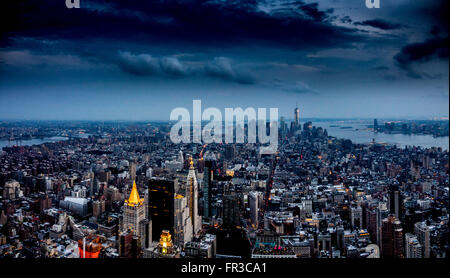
[(137, 60)]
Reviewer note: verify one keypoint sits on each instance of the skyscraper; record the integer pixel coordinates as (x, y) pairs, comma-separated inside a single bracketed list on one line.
[(192, 193), (422, 231), (395, 201), (283, 127), (391, 238), (161, 206), (207, 181), (295, 125), (356, 216), (413, 249), (254, 198), (134, 217), (182, 223), (372, 224), (231, 215)]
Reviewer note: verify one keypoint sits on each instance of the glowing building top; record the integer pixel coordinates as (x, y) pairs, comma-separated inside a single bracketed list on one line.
[(165, 242), (134, 199)]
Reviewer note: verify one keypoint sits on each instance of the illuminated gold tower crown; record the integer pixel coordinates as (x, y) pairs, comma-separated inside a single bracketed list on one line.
[(134, 199)]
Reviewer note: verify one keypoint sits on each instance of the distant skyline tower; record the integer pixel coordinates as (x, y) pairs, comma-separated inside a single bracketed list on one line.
[(295, 125), (297, 116)]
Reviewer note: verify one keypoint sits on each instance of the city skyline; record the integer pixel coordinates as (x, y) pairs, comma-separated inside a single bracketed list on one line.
[(111, 60), (127, 191)]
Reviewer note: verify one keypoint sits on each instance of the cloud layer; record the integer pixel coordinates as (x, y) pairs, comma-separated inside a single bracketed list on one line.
[(380, 24), (290, 24), (147, 65)]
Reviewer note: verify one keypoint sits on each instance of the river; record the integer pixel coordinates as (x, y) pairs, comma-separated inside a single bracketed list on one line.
[(36, 141), (359, 133)]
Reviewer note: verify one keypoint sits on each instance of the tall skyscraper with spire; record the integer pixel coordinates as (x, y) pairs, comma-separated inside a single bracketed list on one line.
[(134, 217), (192, 193), (295, 125)]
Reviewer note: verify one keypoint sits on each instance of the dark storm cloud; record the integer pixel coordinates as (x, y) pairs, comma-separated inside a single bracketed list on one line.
[(148, 65), (298, 24), (101, 27), (433, 48), (380, 24), (437, 12)]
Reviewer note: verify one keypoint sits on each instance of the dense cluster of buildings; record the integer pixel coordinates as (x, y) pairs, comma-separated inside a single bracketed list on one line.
[(126, 191)]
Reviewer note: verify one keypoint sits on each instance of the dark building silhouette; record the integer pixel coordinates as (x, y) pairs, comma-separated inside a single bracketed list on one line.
[(161, 206)]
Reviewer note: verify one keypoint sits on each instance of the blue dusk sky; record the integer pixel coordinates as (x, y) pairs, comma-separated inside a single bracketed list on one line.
[(137, 60)]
